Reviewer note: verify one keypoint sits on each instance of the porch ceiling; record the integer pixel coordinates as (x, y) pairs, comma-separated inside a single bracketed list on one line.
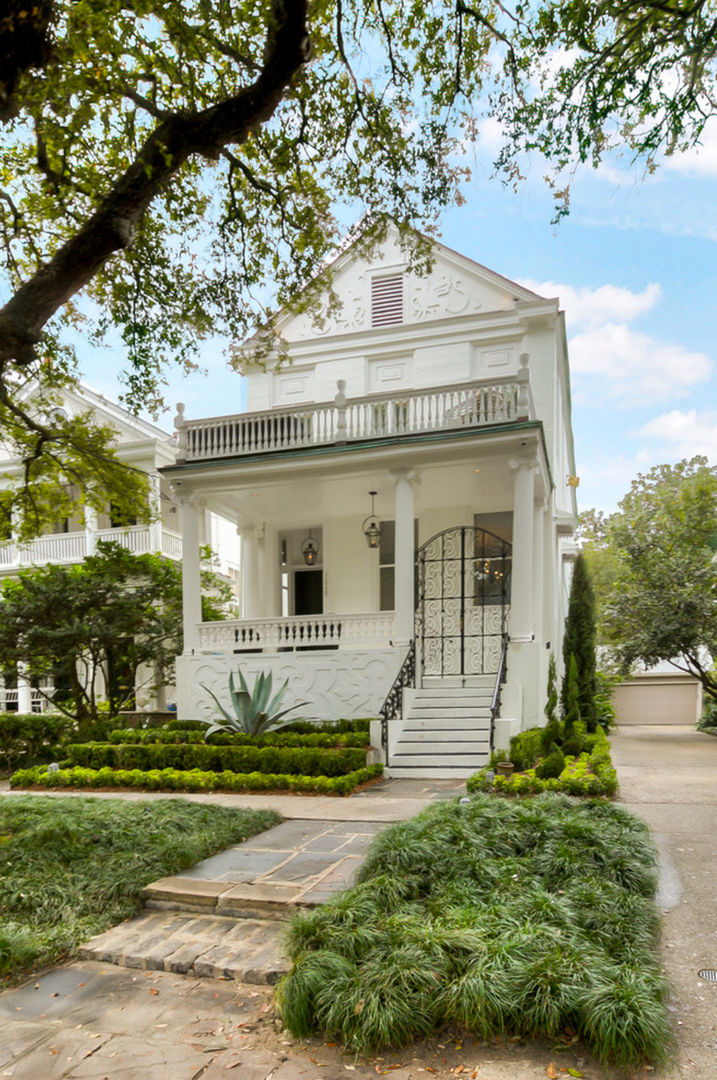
[(306, 489)]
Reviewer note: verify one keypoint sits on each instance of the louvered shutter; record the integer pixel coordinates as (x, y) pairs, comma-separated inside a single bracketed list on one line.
[(387, 300)]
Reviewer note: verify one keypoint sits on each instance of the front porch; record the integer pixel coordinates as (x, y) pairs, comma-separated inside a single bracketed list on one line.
[(457, 479)]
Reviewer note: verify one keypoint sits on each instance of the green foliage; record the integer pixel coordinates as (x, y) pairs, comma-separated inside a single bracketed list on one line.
[(307, 761), (33, 738), (660, 603), (572, 689), (193, 780), (552, 765), (74, 867), (605, 684), (588, 772), (526, 748), (255, 710), (322, 739), (295, 727), (579, 642), (501, 916), (551, 731), (583, 78), (113, 610), (172, 159)]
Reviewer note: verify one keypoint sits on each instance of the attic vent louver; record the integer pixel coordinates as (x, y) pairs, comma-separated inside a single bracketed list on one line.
[(387, 300)]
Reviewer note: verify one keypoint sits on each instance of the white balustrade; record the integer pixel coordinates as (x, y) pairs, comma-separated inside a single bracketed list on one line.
[(72, 547), (8, 555), (444, 408), (55, 548), (134, 537), (297, 632), (171, 545)]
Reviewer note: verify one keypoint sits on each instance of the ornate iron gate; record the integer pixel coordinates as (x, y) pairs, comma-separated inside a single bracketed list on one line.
[(462, 601)]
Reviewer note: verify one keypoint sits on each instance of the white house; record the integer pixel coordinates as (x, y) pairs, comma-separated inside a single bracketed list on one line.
[(142, 445), (404, 491)]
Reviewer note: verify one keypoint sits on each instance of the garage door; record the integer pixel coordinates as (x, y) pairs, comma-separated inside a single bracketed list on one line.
[(657, 700)]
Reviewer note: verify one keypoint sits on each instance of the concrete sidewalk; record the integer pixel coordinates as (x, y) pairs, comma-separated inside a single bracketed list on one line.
[(668, 777)]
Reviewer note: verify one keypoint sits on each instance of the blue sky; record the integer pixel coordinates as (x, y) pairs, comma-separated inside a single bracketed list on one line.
[(635, 268)]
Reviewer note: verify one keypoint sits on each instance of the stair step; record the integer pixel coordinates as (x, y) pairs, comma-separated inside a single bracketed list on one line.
[(408, 772), (440, 749), (473, 760), (248, 950), (452, 694), (453, 723)]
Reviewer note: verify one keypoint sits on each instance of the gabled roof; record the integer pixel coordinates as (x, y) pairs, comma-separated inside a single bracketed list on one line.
[(460, 273)]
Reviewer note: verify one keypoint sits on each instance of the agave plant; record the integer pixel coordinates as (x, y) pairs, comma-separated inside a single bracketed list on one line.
[(255, 711)]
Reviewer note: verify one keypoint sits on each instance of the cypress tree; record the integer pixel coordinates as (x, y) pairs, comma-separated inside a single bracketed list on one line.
[(572, 709), (579, 641), (551, 731)]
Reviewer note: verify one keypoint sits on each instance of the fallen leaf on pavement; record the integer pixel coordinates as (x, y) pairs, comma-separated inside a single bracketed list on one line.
[(551, 1072)]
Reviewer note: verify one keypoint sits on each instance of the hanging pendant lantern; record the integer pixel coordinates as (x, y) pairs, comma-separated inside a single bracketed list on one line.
[(310, 550), (372, 526)]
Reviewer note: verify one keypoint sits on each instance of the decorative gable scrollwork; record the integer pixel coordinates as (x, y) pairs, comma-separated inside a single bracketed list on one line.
[(439, 295)]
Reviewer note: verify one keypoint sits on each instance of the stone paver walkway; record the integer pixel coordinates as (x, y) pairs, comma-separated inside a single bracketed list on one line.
[(223, 917)]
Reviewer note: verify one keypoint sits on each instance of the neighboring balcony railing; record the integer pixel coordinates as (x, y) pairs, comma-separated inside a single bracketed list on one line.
[(379, 416), (74, 547), (297, 632)]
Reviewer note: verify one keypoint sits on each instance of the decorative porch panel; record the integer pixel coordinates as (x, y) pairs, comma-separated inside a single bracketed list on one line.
[(337, 685)]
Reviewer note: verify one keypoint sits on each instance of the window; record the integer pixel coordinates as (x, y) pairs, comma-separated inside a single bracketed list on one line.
[(387, 300), (387, 563)]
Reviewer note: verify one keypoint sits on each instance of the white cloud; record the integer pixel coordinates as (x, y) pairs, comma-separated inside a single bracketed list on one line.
[(590, 308), (609, 359), (636, 368), (700, 160), (684, 434)]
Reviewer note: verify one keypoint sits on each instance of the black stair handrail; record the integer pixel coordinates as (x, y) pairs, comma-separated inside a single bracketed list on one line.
[(499, 680), (393, 705)]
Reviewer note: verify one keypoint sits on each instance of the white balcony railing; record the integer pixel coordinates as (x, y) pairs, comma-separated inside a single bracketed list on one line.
[(73, 547), (443, 408), (297, 632)]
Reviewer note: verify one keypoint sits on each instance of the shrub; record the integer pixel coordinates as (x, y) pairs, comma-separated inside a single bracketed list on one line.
[(306, 761), (589, 773), (552, 765), (551, 732), (579, 642), (525, 748), (488, 914), (193, 780), (34, 737), (222, 738), (296, 727)]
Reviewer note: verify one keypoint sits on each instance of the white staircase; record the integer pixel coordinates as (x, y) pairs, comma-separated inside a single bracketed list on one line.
[(445, 730)]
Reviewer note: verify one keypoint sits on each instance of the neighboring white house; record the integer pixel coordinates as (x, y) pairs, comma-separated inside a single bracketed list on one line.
[(141, 445), (448, 396)]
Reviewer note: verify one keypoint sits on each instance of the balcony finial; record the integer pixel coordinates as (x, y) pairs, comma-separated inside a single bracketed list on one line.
[(523, 380), (180, 425), (340, 403)]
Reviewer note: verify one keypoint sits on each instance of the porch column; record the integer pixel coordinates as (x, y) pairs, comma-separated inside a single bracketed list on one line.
[(191, 583), (521, 593), (90, 530), (24, 690), (155, 508), (404, 574), (250, 585)]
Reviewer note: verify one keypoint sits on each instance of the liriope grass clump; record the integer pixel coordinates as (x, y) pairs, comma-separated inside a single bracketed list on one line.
[(504, 917)]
